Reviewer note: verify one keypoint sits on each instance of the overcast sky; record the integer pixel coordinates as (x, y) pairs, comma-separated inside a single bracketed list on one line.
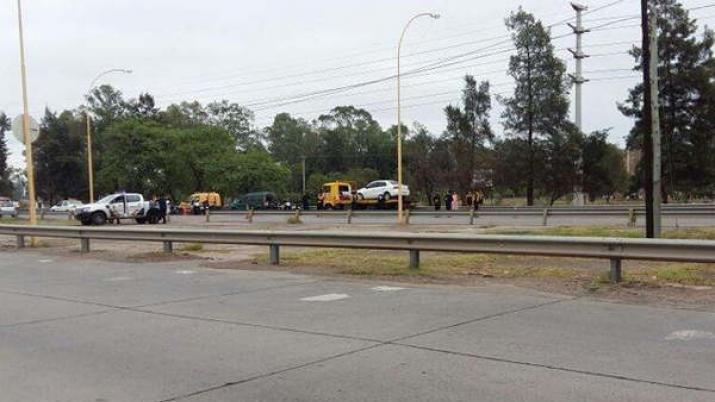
[(265, 53)]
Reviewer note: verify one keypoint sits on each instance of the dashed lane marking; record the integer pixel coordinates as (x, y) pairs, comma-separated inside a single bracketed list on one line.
[(327, 297), (387, 288)]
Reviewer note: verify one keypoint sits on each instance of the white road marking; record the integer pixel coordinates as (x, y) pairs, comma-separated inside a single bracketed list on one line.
[(118, 278), (328, 297), (689, 335), (44, 261), (387, 288), (185, 272)]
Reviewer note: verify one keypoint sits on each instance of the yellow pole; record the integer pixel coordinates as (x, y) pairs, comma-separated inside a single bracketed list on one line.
[(90, 171), (400, 218), (26, 125)]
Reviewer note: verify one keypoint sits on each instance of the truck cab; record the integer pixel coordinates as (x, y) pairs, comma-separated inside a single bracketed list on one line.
[(336, 195)]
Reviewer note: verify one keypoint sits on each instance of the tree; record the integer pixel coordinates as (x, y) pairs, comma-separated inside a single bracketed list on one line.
[(539, 106), (5, 183), (604, 171), (350, 137), (143, 107), (59, 157), (235, 119), (420, 173), (469, 131), (685, 78)]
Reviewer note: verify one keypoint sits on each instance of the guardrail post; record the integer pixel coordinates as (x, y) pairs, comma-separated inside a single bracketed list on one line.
[(414, 259), (407, 216), (84, 245), (616, 274), (631, 217), (168, 247), (545, 217), (471, 216), (275, 254), (249, 215), (69, 215), (208, 216), (350, 216), (20, 241), (42, 213)]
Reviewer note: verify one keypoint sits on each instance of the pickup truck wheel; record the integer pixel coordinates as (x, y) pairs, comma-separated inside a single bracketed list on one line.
[(99, 218), (387, 196)]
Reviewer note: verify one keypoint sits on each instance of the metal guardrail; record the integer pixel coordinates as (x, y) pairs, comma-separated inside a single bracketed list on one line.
[(630, 214), (613, 249)]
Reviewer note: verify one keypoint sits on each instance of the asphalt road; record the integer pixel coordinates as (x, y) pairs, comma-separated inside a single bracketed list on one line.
[(79, 329)]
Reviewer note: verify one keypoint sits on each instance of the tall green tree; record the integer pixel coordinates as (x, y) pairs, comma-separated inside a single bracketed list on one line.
[(5, 183), (469, 131), (685, 78), (59, 157), (539, 105)]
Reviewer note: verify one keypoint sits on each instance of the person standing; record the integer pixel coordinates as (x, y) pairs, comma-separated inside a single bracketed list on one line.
[(162, 209), (448, 201), (455, 201), (437, 200)]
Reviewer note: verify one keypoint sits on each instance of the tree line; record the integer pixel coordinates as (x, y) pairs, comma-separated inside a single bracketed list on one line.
[(540, 153)]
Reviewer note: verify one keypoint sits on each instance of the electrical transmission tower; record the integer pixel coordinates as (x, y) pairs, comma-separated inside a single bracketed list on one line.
[(578, 80)]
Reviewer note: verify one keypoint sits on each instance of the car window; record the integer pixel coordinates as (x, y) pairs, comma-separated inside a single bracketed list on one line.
[(133, 198), (344, 189), (118, 200), (373, 184), (326, 189)]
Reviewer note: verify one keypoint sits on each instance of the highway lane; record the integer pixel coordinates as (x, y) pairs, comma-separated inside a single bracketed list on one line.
[(74, 329)]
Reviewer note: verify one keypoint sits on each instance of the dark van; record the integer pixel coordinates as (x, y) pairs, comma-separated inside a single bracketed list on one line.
[(259, 200)]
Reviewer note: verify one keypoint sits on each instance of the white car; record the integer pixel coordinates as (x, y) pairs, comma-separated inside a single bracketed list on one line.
[(66, 206), (382, 189), (8, 208)]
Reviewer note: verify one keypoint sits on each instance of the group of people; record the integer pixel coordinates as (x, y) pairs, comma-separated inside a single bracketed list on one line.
[(452, 201)]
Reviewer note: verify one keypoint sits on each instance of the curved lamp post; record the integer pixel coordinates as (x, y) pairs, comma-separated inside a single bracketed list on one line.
[(399, 116), (90, 170)]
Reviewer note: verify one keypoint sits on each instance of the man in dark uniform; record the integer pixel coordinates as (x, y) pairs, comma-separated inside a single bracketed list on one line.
[(448, 201), (162, 209), (437, 200)]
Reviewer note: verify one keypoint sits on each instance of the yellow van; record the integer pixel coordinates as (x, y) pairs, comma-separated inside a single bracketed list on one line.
[(198, 201), (336, 195)]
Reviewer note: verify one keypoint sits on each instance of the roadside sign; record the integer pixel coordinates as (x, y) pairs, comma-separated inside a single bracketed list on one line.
[(17, 125)]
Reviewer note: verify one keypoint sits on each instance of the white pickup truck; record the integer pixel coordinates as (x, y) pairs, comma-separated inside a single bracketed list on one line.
[(116, 207)]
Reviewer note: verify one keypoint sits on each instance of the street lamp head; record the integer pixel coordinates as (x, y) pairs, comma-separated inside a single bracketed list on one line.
[(127, 71), (435, 16)]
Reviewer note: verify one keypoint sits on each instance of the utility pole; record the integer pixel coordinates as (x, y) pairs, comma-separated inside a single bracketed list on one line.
[(647, 145), (303, 175), (578, 81), (26, 126), (655, 118)]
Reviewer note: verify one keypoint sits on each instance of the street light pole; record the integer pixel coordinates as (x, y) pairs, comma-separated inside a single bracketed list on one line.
[(90, 169), (399, 115), (26, 125)]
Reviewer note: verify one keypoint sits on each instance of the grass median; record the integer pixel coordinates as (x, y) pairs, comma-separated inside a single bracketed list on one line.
[(456, 267)]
